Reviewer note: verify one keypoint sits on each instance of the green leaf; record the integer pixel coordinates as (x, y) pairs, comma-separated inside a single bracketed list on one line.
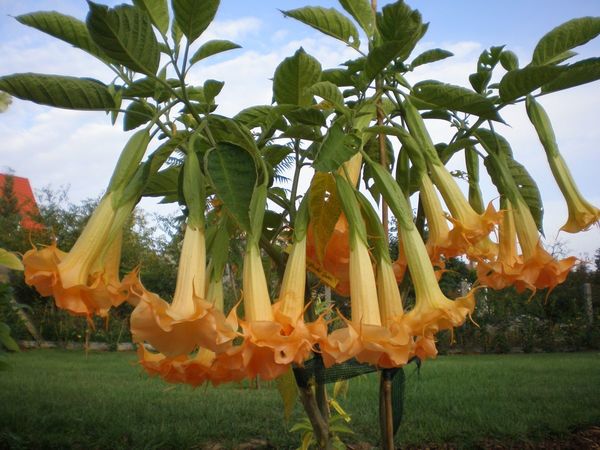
[(329, 92), (59, 91), (6, 340), (361, 11), (509, 60), (232, 171), (224, 129), (286, 385), (339, 77), (306, 116), (570, 34), (10, 260), (66, 28), (212, 88), (125, 35), (194, 16), (516, 83), (493, 142), (254, 116), (399, 22), (293, 77), (137, 114), (211, 48), (158, 10), (164, 183), (335, 150), (456, 98), (581, 72), (429, 56), (328, 21), (382, 55)]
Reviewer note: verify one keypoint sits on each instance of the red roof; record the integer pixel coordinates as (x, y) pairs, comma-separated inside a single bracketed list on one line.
[(26, 203)]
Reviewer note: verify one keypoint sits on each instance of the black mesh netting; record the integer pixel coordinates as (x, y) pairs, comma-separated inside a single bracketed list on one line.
[(314, 369)]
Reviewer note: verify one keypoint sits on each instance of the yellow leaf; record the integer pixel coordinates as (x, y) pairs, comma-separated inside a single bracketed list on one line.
[(324, 209), (286, 385), (10, 260)]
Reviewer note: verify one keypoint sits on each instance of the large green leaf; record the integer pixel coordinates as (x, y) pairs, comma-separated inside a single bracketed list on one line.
[(6, 340), (570, 34), (293, 77), (224, 129), (194, 16), (399, 22), (66, 28), (575, 74), (232, 171), (58, 91), (335, 149), (493, 142), (164, 183), (212, 48), (125, 35), (10, 260), (137, 114), (516, 83), (330, 92), (379, 57), (362, 13), (158, 10), (456, 98), (429, 56), (328, 21), (288, 390), (339, 77)]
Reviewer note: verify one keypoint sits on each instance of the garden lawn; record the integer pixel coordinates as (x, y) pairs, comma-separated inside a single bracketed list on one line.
[(53, 398)]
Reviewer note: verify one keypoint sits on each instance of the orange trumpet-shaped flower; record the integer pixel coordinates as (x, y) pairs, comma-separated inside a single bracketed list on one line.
[(334, 267), (194, 369), (535, 268), (189, 321), (83, 281), (537, 261), (433, 311), (274, 335), (364, 336), (469, 226), (582, 214)]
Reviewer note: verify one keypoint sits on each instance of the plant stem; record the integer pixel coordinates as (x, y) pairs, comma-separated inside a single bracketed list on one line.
[(386, 418), (319, 425)]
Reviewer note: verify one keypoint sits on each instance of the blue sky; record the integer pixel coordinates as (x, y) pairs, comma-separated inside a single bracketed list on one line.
[(58, 147)]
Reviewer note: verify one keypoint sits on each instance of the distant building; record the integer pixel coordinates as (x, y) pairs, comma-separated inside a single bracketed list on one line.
[(26, 204)]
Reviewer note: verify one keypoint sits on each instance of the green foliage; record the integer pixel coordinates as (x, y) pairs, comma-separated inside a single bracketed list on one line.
[(193, 17), (233, 173), (125, 35), (293, 77), (66, 28), (566, 36), (158, 10), (329, 21), (211, 48), (520, 82), (456, 98), (59, 91), (429, 56)]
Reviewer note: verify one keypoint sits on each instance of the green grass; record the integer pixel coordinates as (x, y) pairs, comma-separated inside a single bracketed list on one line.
[(58, 399)]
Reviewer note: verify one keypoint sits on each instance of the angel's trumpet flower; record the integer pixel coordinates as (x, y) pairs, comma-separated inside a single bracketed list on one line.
[(548, 271), (365, 337), (68, 276), (433, 311), (582, 214), (189, 320)]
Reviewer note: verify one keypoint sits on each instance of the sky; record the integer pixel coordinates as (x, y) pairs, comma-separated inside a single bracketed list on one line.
[(54, 147)]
